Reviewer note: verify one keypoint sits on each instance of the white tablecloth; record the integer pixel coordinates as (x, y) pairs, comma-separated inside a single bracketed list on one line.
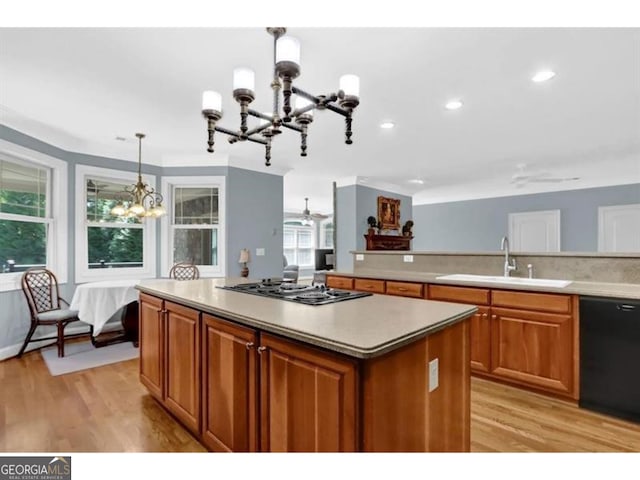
[(96, 302)]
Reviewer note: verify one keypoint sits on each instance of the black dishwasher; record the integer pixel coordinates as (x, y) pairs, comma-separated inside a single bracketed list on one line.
[(610, 356)]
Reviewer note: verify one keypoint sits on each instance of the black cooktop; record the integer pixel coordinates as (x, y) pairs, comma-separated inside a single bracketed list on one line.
[(294, 292)]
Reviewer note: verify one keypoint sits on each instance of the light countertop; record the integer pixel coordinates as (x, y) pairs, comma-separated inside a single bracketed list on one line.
[(596, 289), (362, 327)]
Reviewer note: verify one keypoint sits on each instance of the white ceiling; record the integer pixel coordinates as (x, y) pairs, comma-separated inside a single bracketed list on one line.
[(89, 85)]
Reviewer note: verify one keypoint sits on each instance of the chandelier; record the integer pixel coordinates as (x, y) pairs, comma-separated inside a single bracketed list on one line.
[(286, 60), (143, 200)]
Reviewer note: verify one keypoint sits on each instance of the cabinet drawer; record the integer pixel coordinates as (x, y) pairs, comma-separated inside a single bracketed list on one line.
[(367, 285), (404, 289), (345, 283), (475, 296), (543, 302)]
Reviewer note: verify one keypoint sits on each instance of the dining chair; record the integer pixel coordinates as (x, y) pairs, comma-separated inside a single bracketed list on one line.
[(184, 271), (46, 306)]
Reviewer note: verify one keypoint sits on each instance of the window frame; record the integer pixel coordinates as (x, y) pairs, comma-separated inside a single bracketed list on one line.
[(83, 272), (57, 211), (167, 226), (298, 228)]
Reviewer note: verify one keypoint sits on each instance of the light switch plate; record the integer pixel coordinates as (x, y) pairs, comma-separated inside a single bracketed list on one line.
[(407, 258), (359, 257), (259, 252), (433, 374)]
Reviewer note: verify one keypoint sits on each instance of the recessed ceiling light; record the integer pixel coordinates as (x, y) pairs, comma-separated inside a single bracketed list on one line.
[(387, 125), (417, 181), (543, 76), (453, 105)]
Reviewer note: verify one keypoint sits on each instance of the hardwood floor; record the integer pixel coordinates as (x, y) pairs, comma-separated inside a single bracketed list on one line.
[(106, 409)]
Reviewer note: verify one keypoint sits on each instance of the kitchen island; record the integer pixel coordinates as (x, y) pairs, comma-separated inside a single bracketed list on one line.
[(246, 373)]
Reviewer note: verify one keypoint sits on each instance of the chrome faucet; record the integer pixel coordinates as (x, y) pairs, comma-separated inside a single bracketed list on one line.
[(509, 263)]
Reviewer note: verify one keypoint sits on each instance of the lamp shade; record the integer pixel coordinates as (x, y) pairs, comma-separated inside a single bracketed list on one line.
[(244, 78), (244, 256), (350, 85), (211, 101), (288, 50)]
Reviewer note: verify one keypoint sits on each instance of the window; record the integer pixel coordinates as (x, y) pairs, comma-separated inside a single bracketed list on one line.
[(109, 246), (326, 233), (194, 225), (298, 243), (31, 214)]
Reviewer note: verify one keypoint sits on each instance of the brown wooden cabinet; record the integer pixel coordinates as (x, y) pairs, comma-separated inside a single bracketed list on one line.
[(387, 242), (368, 285), (170, 357), (238, 389), (404, 289), (152, 344), (480, 322), (533, 348), (229, 386), (182, 390), (343, 283), (307, 399), (526, 338)]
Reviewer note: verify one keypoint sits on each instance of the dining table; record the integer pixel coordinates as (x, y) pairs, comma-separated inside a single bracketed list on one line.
[(99, 302)]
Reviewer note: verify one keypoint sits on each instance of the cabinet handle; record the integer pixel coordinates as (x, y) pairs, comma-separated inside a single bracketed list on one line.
[(626, 308), (485, 315), (250, 345), (402, 289), (261, 349), (493, 317)]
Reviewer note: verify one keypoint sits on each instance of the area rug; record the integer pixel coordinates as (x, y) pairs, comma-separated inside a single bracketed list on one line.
[(82, 355)]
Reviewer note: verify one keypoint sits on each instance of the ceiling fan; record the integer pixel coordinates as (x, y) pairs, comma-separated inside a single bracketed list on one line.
[(307, 217), (522, 177)]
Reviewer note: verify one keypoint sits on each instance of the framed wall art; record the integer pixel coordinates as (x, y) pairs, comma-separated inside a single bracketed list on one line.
[(389, 213)]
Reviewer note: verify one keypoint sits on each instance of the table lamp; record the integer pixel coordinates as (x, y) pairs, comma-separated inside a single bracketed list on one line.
[(244, 259)]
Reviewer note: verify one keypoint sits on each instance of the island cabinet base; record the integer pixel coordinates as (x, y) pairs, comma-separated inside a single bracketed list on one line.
[(239, 389), (400, 414)]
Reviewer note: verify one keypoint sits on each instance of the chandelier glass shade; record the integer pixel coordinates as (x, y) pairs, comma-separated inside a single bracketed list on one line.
[(142, 201), (286, 59)]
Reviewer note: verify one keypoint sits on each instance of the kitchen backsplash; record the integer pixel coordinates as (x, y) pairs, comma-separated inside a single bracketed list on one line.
[(561, 266)]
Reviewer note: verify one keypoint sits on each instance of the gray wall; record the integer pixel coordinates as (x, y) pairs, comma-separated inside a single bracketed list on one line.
[(478, 225), (354, 204), (253, 209), (254, 220), (345, 227)]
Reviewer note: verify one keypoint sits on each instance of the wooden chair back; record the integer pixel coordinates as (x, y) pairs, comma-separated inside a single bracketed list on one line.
[(40, 286), (184, 271)]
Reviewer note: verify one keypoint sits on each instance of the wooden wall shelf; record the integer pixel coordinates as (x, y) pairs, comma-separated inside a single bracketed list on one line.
[(388, 242)]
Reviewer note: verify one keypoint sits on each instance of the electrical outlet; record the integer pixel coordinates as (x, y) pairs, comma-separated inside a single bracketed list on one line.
[(359, 257), (259, 252), (433, 374), (408, 258)]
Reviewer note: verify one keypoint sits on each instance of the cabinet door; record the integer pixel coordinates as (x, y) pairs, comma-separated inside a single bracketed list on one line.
[(533, 348), (307, 399), (182, 344), (344, 283), (481, 340), (152, 344), (367, 285), (229, 386)]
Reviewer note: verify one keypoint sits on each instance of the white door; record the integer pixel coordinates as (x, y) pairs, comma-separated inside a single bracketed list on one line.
[(619, 228), (535, 231)]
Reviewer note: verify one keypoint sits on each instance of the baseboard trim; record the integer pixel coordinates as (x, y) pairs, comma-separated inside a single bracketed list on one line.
[(12, 350)]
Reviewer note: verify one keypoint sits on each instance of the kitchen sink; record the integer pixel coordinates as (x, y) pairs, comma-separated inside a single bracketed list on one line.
[(534, 282)]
